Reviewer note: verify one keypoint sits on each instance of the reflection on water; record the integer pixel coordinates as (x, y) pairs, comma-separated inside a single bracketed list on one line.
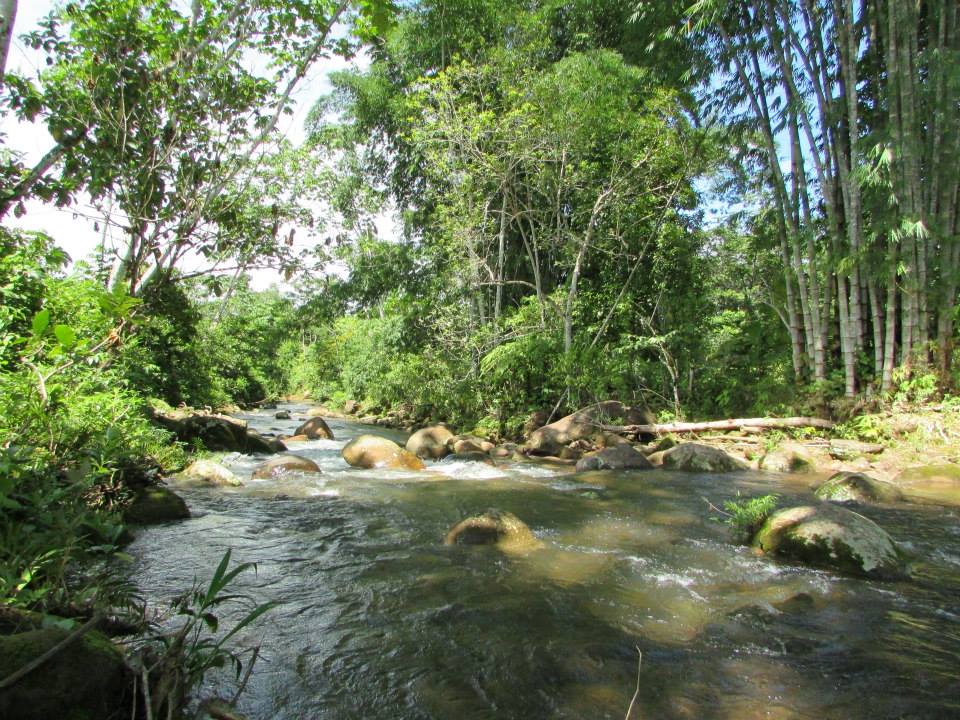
[(380, 620)]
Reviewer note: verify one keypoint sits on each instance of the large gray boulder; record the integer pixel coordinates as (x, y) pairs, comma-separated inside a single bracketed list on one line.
[(551, 439), (694, 457), (621, 457), (829, 536), (858, 487), (430, 443), (373, 451)]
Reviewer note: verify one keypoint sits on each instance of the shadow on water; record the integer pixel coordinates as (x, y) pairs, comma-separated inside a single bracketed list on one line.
[(379, 619)]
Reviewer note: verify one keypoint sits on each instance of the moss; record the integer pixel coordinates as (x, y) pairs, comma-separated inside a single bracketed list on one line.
[(857, 487), (829, 536), (87, 680)]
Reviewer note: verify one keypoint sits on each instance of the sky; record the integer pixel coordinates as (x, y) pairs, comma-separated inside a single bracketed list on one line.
[(74, 228)]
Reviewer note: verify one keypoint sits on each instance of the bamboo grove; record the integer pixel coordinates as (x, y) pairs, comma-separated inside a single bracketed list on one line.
[(849, 112)]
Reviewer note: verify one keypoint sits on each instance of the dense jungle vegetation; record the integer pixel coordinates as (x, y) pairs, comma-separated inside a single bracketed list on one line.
[(707, 208)]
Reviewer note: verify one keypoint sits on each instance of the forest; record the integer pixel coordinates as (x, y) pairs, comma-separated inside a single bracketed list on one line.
[(500, 213)]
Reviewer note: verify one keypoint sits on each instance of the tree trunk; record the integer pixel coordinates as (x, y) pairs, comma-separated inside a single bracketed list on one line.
[(8, 17), (731, 424)]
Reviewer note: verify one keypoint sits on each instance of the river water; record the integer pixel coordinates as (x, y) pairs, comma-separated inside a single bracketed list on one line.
[(378, 619)]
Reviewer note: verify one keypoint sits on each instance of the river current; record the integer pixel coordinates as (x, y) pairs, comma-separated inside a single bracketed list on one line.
[(378, 619)]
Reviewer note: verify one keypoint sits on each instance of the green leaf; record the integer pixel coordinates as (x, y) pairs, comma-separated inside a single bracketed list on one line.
[(65, 336), (41, 321)]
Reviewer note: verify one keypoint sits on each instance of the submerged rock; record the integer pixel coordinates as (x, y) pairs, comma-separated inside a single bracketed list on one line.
[(86, 679), (829, 536), (694, 457), (208, 472), (621, 457), (315, 428), (284, 464), (494, 527), (430, 442), (550, 439), (155, 504), (857, 487), (475, 456), (373, 451)]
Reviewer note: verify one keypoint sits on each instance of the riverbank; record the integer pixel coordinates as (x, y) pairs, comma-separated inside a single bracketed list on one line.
[(916, 447)]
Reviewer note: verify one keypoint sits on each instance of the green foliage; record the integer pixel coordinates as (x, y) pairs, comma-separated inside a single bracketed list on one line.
[(868, 428), (747, 515), (175, 663), (74, 439)]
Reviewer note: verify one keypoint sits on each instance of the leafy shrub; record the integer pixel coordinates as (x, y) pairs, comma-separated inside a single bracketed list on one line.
[(746, 516)]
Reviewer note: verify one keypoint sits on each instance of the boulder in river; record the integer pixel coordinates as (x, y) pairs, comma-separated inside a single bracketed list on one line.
[(86, 678), (430, 442), (468, 444), (215, 432), (155, 504), (830, 536), (621, 457), (938, 483), (550, 439), (507, 450), (315, 428), (694, 457), (858, 487), (283, 464), (373, 451), (282, 415), (494, 527), (208, 472), (788, 457)]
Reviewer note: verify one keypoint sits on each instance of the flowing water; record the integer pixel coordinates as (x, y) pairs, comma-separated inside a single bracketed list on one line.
[(380, 620)]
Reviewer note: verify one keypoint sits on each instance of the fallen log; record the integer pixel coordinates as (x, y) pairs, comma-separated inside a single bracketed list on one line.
[(731, 424)]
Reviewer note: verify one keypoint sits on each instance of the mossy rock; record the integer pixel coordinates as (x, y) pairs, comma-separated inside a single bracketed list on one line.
[(86, 680), (858, 487), (155, 504), (826, 535), (943, 474), (694, 457), (788, 458)]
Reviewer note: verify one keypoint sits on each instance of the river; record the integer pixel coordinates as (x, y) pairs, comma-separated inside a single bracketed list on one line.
[(378, 619)]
